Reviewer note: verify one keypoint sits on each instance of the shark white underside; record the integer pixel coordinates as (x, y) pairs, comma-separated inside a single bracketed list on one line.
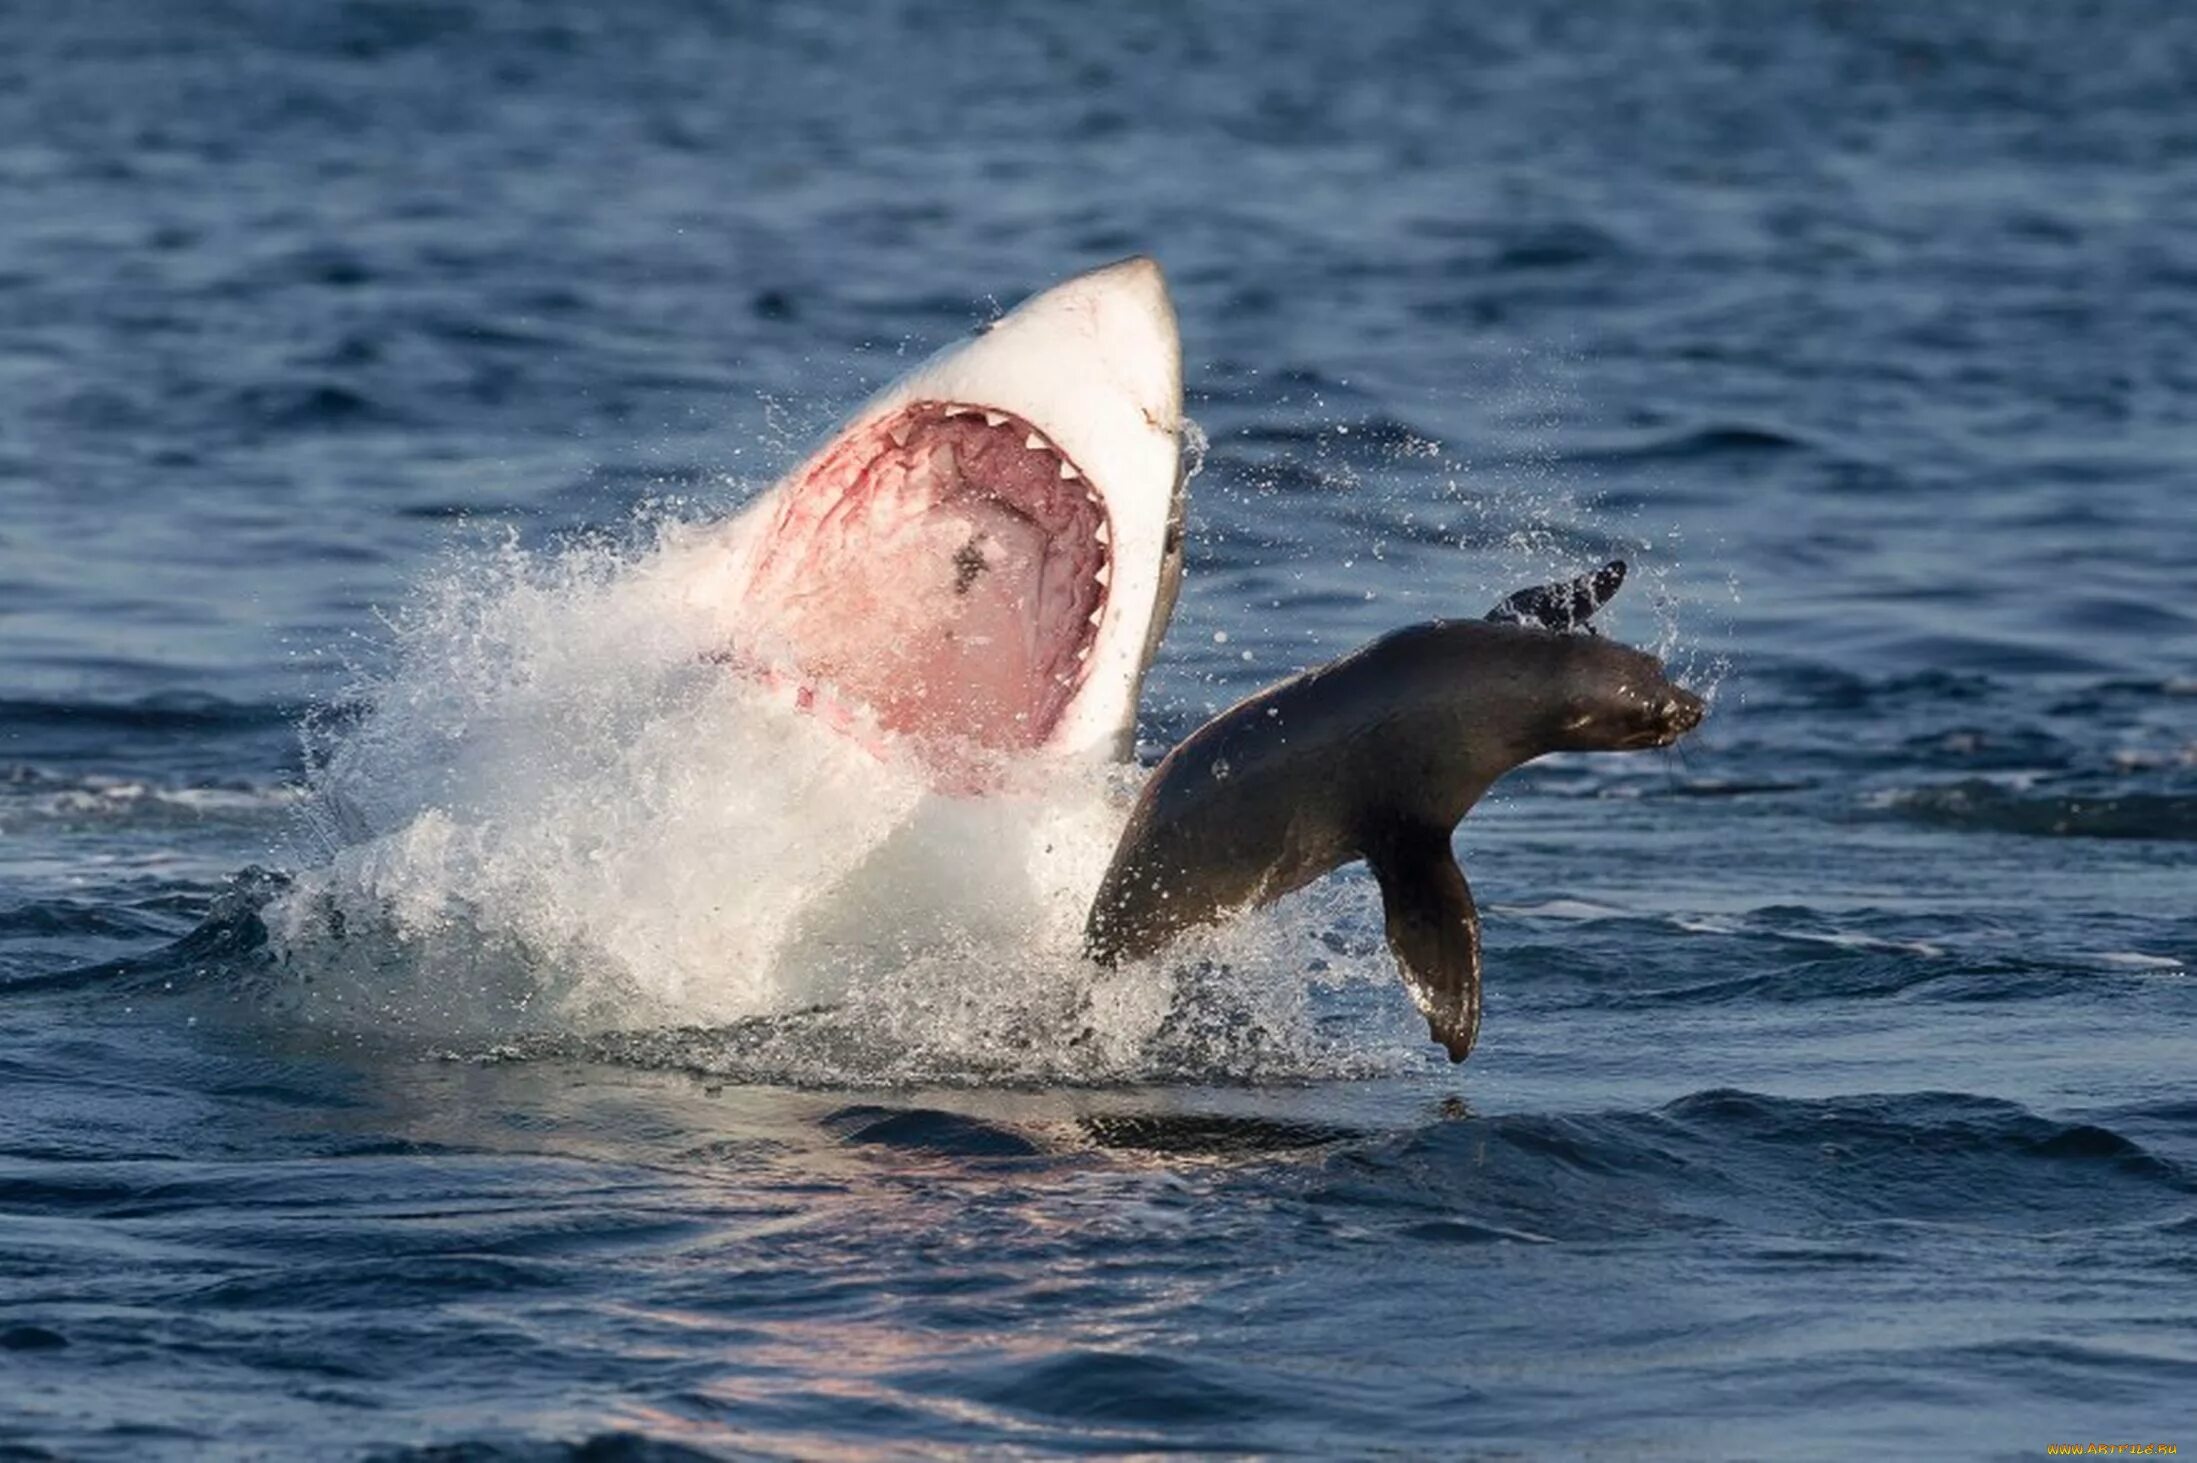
[(980, 563)]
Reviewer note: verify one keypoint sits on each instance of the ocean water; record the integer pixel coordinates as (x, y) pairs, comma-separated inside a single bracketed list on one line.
[(441, 1019)]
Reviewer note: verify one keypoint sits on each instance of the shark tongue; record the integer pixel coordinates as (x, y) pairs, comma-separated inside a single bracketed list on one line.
[(945, 569)]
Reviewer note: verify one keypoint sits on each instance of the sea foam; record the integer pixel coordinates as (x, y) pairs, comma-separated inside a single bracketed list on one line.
[(554, 813)]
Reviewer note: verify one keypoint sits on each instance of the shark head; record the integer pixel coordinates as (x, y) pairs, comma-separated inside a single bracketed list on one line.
[(982, 560)]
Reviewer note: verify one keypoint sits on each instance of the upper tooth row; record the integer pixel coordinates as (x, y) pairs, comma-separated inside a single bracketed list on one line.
[(1035, 441)]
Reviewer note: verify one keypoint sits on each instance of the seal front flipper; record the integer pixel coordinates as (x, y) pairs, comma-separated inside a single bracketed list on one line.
[(1433, 929), (1566, 605)]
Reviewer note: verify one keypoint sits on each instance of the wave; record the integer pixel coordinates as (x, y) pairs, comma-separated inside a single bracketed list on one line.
[(1752, 1161), (165, 712), (223, 952), (30, 794), (1708, 442), (309, 407), (1784, 955), (1975, 805)]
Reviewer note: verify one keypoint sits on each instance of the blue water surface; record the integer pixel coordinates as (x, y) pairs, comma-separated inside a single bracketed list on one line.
[(1835, 1094)]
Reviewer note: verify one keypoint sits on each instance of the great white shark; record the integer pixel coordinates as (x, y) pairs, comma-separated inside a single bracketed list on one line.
[(980, 563), (975, 571)]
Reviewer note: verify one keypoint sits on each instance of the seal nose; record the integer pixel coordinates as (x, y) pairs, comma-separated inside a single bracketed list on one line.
[(1682, 712)]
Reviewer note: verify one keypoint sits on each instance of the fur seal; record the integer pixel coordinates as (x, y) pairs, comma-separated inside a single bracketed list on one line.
[(1378, 756)]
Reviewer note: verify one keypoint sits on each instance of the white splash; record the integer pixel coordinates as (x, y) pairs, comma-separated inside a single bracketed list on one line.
[(558, 816)]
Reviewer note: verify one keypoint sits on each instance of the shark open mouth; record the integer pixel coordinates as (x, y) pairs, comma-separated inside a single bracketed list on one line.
[(940, 573)]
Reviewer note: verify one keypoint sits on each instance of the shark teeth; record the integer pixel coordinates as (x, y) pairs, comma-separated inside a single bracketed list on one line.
[(1104, 574), (1105, 534), (995, 419), (1037, 444), (1068, 473), (958, 411), (900, 433)]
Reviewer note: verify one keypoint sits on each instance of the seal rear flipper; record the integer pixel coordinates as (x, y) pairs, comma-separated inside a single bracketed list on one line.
[(1433, 930), (1566, 605)]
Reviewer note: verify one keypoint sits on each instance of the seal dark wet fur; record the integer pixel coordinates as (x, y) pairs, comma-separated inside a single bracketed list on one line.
[(1378, 756)]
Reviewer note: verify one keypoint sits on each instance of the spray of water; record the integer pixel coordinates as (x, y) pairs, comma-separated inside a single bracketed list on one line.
[(558, 820)]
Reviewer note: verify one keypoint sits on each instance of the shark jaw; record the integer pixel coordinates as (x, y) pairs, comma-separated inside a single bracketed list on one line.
[(980, 564)]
